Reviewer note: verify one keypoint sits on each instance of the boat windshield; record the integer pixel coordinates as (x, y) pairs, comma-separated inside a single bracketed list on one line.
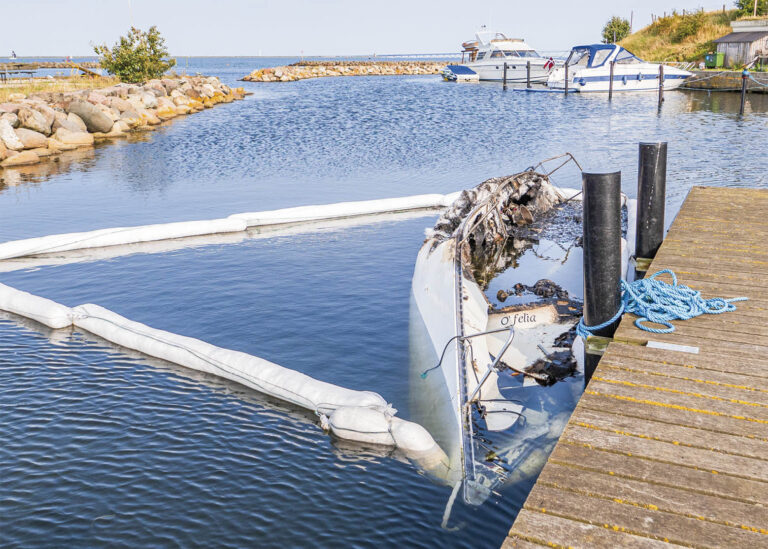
[(627, 58), (521, 53), (579, 56)]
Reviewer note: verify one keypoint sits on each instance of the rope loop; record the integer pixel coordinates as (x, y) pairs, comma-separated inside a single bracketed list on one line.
[(658, 302)]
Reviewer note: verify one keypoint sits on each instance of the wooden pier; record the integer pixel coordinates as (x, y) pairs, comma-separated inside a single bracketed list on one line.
[(670, 448)]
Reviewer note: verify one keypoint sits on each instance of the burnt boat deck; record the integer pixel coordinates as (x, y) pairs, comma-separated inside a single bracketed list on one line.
[(668, 447)]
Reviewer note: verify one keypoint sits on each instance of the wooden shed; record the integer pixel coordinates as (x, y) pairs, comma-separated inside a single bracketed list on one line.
[(748, 40)]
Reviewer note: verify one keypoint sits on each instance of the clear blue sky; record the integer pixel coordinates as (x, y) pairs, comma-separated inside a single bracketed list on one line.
[(319, 27)]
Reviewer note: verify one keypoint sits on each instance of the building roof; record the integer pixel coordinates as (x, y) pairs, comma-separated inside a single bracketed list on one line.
[(742, 37)]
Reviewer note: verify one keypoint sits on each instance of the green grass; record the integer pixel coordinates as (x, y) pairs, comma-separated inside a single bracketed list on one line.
[(680, 37)]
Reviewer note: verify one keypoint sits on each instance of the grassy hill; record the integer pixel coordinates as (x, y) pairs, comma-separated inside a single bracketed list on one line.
[(678, 37)]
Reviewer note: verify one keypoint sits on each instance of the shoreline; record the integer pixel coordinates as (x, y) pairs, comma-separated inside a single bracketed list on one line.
[(40, 126), (726, 80), (304, 70)]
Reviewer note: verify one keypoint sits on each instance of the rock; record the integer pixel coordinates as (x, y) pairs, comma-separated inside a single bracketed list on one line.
[(16, 97), (97, 98), (95, 120), (34, 120), (149, 100), (77, 121), (12, 119), (181, 100), (22, 159), (74, 138), (56, 146), (195, 105), (31, 139), (10, 107), (61, 121), (166, 113), (149, 118), (3, 150), (165, 102), (182, 109), (48, 113), (9, 137), (170, 84), (113, 114), (120, 104), (43, 152), (193, 94)]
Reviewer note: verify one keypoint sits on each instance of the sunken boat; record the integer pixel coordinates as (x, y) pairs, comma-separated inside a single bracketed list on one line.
[(488, 352)]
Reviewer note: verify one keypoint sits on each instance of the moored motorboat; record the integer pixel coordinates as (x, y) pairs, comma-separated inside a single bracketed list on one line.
[(589, 69), (484, 59)]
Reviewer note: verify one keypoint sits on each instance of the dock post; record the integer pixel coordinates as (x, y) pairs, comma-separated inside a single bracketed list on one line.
[(566, 78), (504, 80), (661, 84), (602, 255), (744, 78), (610, 82), (528, 74), (651, 198)]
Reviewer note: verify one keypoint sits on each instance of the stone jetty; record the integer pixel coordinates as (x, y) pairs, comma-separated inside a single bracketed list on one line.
[(45, 124), (726, 81), (318, 69), (48, 65)]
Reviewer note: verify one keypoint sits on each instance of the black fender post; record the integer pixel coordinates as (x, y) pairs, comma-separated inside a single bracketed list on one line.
[(602, 255), (651, 198)]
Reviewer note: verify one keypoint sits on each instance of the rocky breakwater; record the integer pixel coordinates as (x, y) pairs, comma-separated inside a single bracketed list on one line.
[(43, 125), (319, 69)]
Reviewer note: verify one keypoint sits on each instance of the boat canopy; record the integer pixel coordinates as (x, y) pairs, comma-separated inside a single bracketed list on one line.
[(596, 55)]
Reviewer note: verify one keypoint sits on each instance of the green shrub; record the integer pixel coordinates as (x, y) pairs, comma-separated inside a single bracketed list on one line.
[(688, 25), (747, 7), (615, 30), (138, 57)]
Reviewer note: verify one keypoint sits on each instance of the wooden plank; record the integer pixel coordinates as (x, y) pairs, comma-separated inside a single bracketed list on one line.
[(675, 416), (675, 434), (664, 474), (678, 386), (724, 464), (639, 520), (671, 500), (555, 531), (677, 400), (711, 361)]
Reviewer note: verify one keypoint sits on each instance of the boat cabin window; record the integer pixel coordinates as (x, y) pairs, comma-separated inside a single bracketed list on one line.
[(600, 57), (627, 58), (579, 57), (480, 55), (496, 54), (521, 53)]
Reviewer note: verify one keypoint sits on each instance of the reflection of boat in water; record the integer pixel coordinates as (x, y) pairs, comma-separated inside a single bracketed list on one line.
[(485, 372), (487, 54), (589, 70)]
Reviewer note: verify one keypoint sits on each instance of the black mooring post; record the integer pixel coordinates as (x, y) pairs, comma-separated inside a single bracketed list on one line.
[(651, 198), (744, 77), (602, 255), (504, 79), (566, 78), (528, 74), (610, 82), (661, 84)]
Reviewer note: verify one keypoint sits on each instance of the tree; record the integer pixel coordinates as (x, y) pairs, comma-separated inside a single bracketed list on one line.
[(138, 57), (615, 30), (747, 7)]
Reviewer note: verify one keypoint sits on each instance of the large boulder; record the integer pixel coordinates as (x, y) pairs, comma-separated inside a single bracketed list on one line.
[(48, 113), (21, 159), (34, 120), (10, 107), (95, 120), (3, 150), (149, 100), (97, 98), (120, 104), (31, 139), (75, 138), (12, 119), (61, 121), (9, 137), (77, 121)]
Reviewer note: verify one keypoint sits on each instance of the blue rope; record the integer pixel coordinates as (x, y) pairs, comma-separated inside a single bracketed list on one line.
[(653, 300)]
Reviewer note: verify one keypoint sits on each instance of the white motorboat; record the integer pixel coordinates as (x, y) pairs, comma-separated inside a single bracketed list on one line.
[(480, 365), (489, 52), (589, 70)]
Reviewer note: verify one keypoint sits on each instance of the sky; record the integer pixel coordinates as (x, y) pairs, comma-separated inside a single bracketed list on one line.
[(319, 27)]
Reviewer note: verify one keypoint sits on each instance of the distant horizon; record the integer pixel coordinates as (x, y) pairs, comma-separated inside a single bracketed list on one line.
[(294, 27)]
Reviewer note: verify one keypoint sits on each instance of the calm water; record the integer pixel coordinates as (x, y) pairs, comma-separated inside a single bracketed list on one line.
[(101, 448)]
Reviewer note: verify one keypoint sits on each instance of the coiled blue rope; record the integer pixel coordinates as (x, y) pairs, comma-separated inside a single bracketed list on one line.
[(653, 300)]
